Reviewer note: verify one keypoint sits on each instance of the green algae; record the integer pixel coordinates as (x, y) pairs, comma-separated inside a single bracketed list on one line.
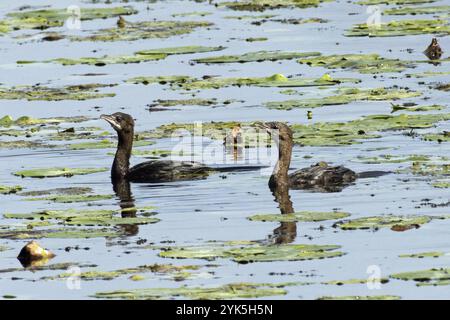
[(379, 297), (73, 198), (363, 63), (417, 10), (400, 28), (38, 92), (344, 96), (262, 5), (253, 253), (227, 291), (257, 56), (144, 30), (435, 276), (137, 57), (9, 189), (57, 172), (46, 18), (378, 222), (431, 254), (304, 216)]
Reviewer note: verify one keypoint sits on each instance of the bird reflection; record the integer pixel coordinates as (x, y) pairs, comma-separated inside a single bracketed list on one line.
[(122, 190), (287, 231)]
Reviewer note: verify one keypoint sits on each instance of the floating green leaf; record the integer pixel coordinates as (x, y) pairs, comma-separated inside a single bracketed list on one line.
[(57, 172), (257, 56), (304, 216), (378, 222)]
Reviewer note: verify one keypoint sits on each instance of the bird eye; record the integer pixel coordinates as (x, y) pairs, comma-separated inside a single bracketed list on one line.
[(118, 118)]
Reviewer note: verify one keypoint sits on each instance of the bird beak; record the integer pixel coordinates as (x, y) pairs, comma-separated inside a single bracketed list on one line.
[(111, 120), (263, 125)]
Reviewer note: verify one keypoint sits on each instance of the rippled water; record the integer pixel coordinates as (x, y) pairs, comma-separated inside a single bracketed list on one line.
[(216, 209)]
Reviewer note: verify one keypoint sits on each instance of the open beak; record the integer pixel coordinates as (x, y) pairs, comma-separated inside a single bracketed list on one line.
[(111, 120)]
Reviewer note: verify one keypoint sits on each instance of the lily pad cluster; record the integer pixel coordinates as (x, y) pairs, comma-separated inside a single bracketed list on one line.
[(258, 56), (262, 5), (344, 96), (72, 92), (143, 30), (47, 18), (400, 28), (363, 63), (430, 277)]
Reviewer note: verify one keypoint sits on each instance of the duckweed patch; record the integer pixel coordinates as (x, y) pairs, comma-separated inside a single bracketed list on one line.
[(38, 92), (258, 56), (304, 216), (144, 30), (344, 96), (400, 28), (253, 252), (397, 223), (363, 63), (228, 291), (57, 172)]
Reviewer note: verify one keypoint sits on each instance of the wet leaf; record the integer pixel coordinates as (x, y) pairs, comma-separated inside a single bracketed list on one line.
[(57, 172), (304, 216)]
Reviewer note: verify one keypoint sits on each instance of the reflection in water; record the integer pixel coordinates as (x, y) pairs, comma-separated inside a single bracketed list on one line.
[(287, 231), (122, 190)]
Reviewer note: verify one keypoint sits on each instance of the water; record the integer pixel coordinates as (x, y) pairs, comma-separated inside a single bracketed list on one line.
[(216, 209)]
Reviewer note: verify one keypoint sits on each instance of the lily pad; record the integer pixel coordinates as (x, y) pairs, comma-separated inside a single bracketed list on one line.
[(57, 172), (363, 63), (254, 253), (400, 28), (46, 18), (262, 5), (304, 216), (257, 56), (431, 254), (433, 276), (344, 96), (438, 137), (228, 291), (373, 2), (9, 189), (378, 222), (38, 92), (137, 57), (144, 30), (73, 198), (417, 10), (353, 281)]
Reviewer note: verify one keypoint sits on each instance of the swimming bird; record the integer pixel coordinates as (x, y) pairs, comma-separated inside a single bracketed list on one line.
[(434, 50), (157, 170), (319, 177)]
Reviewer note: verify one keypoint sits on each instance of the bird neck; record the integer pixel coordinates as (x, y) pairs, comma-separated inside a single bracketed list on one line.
[(279, 175), (121, 163)]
